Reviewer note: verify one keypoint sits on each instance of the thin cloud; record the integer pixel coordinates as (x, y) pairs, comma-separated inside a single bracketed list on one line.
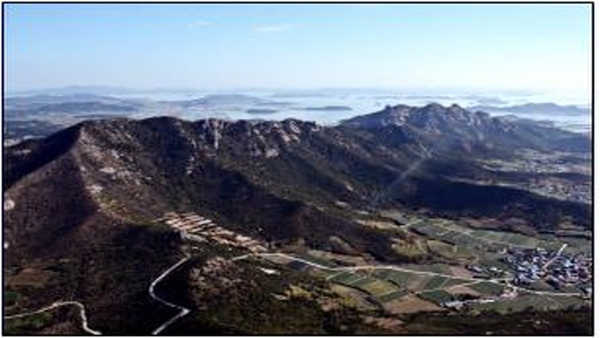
[(271, 28), (199, 23)]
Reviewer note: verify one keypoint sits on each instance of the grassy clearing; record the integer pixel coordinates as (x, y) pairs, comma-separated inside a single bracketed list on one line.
[(11, 298), (26, 325)]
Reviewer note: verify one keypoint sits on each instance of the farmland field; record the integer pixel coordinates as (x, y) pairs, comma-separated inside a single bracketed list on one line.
[(427, 285), (384, 298), (435, 282), (378, 287), (487, 288), (437, 296), (449, 232)]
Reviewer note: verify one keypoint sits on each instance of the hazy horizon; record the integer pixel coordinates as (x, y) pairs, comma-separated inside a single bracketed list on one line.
[(544, 48)]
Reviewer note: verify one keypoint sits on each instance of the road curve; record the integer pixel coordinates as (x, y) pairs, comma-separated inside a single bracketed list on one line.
[(182, 311), (84, 323)]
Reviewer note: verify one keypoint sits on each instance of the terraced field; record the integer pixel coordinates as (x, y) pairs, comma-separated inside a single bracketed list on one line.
[(384, 284)]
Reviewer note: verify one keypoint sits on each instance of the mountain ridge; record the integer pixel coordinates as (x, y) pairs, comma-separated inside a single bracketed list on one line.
[(85, 201)]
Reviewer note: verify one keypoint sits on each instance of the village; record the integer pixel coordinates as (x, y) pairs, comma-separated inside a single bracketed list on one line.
[(553, 186), (558, 270), (532, 268)]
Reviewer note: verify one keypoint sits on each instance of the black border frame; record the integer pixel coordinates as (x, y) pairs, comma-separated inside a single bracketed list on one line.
[(329, 2)]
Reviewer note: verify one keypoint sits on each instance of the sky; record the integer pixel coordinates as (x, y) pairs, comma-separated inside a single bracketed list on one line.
[(537, 47)]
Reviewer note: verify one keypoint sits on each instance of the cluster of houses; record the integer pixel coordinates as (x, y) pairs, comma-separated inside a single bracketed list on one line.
[(562, 189), (556, 268), (572, 271), (529, 264), (485, 272), (201, 229)]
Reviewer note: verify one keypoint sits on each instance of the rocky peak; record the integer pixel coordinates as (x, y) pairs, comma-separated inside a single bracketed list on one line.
[(435, 107)]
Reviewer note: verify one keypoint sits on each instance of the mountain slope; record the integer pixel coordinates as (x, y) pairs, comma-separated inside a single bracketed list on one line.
[(81, 204), (457, 128), (256, 176)]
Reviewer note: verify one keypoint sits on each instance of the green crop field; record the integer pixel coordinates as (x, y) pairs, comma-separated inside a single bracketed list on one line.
[(363, 281), (344, 278), (487, 288), (378, 287), (437, 296), (462, 236), (452, 282), (435, 282), (371, 285), (397, 277), (388, 297)]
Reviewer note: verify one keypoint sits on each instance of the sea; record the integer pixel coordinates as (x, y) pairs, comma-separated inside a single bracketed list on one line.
[(311, 105)]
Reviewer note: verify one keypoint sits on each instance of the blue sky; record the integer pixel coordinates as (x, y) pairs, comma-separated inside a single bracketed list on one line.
[(534, 47)]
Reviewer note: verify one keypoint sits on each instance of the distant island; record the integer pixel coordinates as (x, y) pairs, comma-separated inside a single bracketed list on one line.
[(328, 108), (221, 100), (535, 108), (259, 111)]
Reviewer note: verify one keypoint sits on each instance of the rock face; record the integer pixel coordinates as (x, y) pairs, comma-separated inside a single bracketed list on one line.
[(457, 127)]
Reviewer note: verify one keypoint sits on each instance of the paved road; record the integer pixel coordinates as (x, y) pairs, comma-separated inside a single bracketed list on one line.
[(391, 267), (182, 311), (84, 323), (558, 253)]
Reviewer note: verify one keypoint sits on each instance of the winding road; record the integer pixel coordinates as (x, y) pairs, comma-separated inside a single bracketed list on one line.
[(182, 310), (84, 323)]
